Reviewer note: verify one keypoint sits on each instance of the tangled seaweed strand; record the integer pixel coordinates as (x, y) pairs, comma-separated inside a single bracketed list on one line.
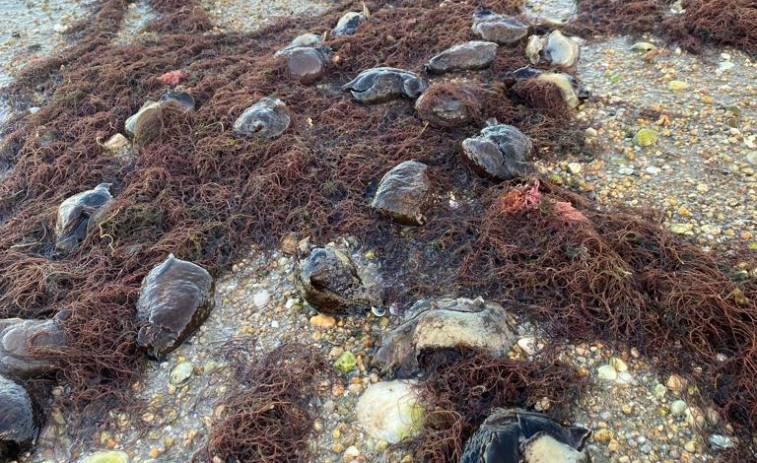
[(269, 419), (197, 191), (704, 22), (722, 22), (587, 274), (462, 386)]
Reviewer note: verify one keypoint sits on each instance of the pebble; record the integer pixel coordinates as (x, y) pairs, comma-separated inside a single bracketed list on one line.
[(181, 373), (346, 362), (351, 453), (645, 137), (107, 457), (720, 441), (677, 85), (676, 384), (323, 321), (678, 408), (618, 364), (261, 299), (607, 373)]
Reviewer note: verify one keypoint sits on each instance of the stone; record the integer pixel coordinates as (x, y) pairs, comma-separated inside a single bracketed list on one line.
[(323, 321), (403, 193), (444, 323), (570, 89), (175, 299), (448, 105), (677, 384), (261, 298), (181, 373), (382, 84), (534, 48), (678, 408), (348, 24), (607, 373), (619, 364), (603, 435), (183, 100), (575, 168), (514, 435), (307, 64), (721, 442), (677, 85), (645, 137), (330, 281), (350, 454), (119, 146), (466, 56), (149, 108), (27, 346), (346, 362), (390, 411), (751, 158), (107, 456), (643, 47), (268, 118), (501, 152), (76, 216), (556, 49), (503, 30), (18, 425), (560, 50)]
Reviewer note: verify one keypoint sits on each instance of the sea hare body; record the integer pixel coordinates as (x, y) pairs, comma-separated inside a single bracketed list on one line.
[(383, 84), (75, 214), (176, 298)]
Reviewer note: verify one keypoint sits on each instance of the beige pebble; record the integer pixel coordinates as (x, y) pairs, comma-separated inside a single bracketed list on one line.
[(323, 321)]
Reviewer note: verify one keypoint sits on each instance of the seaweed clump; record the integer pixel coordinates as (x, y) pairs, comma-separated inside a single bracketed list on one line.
[(462, 386), (586, 274), (270, 417), (203, 194), (702, 22)]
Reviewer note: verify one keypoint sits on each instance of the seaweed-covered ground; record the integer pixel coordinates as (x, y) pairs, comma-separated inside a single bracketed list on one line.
[(697, 179)]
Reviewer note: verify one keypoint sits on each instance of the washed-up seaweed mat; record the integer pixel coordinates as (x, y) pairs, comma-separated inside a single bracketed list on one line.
[(200, 192)]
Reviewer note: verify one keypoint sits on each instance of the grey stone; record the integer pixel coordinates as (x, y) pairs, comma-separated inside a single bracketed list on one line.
[(27, 346), (403, 193), (465, 56), (501, 152), (331, 282), (18, 427), (492, 27), (267, 118), (175, 299), (515, 435), (382, 84), (75, 216), (443, 323)]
